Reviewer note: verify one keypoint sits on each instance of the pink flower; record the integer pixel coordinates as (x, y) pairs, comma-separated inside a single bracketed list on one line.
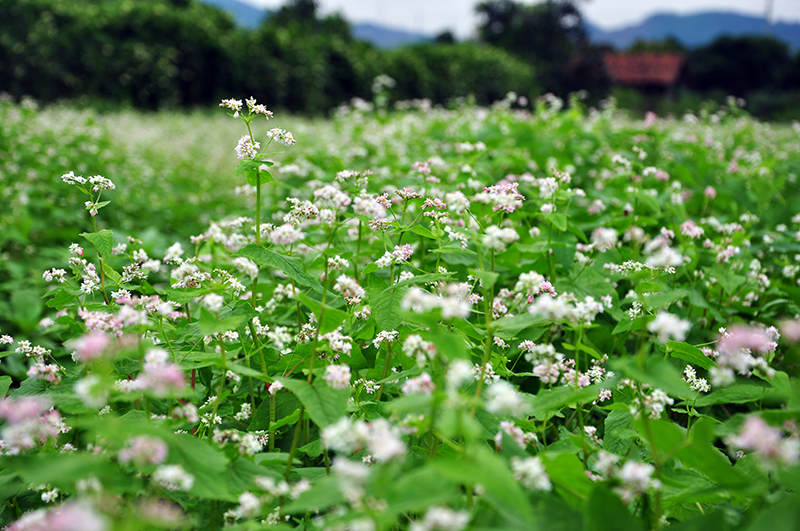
[(767, 441), (162, 379), (17, 411), (791, 330), (72, 516), (90, 346), (740, 337), (710, 192), (691, 229), (144, 450)]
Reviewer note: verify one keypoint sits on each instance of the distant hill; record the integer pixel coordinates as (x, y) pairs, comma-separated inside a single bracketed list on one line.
[(696, 30), (384, 37), (248, 16), (243, 14)]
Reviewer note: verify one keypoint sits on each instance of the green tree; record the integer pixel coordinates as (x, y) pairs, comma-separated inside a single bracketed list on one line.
[(738, 65), (547, 34), (443, 71), (669, 44)]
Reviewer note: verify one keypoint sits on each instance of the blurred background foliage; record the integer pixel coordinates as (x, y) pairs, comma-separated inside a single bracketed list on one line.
[(154, 54)]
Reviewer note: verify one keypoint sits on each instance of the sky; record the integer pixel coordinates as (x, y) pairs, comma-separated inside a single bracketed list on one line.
[(434, 16)]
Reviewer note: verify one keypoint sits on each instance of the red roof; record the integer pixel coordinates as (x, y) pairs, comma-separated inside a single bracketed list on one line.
[(644, 68)]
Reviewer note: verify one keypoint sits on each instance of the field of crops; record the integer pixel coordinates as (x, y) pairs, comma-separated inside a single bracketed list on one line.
[(529, 316)]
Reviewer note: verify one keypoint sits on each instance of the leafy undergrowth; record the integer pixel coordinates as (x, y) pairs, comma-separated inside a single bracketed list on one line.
[(428, 320)]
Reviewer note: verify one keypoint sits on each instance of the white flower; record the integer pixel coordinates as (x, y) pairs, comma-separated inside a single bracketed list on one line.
[(213, 302), (503, 399), (668, 326), (421, 385), (497, 239), (531, 473), (441, 519), (173, 477), (459, 373), (246, 148), (338, 376)]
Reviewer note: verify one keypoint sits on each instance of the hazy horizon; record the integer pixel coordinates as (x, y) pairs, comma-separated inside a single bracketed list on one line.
[(434, 16)]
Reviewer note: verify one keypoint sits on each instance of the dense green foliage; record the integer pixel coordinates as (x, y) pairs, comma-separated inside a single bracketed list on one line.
[(443, 71), (145, 53), (366, 361), (154, 54), (547, 34), (741, 65)]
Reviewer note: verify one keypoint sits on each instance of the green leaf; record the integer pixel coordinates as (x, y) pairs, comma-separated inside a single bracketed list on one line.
[(422, 231), (648, 201), (662, 299), (5, 384), (707, 459), (480, 466), (568, 476), (385, 304), (698, 451), (606, 512), (63, 298), (454, 249), (488, 278), (419, 489), (689, 353), (549, 401), (647, 286), (450, 345), (206, 463), (730, 283), (323, 494), (247, 165), (324, 404), (102, 240), (292, 266), (181, 296), (209, 325), (291, 419), (658, 373), (740, 393), (574, 229), (285, 405), (62, 470), (618, 423), (26, 306), (242, 472), (559, 221), (715, 521), (510, 327), (623, 326), (329, 319), (112, 275)]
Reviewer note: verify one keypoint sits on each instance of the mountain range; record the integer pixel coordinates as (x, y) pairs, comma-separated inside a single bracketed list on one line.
[(692, 30), (695, 30)]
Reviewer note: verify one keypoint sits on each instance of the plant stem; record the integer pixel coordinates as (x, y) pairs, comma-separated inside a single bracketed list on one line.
[(358, 252), (271, 435), (385, 372), (295, 440), (258, 206)]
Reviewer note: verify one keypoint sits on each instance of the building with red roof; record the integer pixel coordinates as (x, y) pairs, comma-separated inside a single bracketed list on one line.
[(649, 72)]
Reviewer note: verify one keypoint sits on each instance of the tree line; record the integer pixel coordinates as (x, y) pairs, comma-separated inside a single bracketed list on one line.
[(179, 53)]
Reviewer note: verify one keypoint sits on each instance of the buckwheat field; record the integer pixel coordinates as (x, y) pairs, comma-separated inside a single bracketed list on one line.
[(533, 315)]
